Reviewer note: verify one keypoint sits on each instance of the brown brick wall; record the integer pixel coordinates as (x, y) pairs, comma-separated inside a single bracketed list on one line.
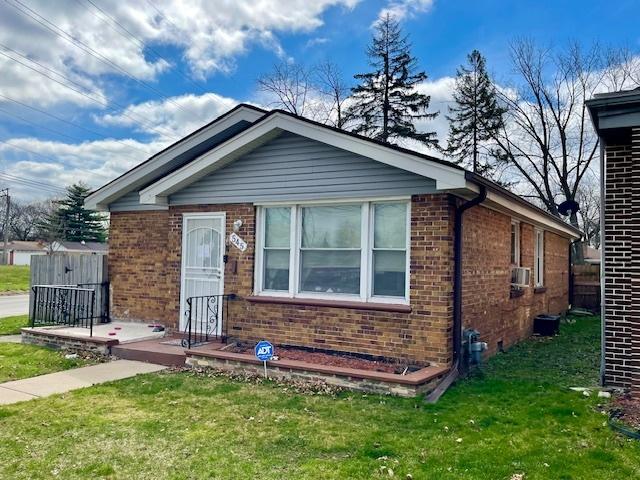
[(622, 267), (145, 256), (487, 305), (422, 335)]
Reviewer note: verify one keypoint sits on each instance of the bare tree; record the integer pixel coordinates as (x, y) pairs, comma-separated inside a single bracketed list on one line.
[(290, 86), (547, 138), (588, 198), (24, 220), (334, 88)]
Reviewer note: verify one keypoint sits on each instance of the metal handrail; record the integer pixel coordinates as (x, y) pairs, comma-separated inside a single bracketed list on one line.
[(71, 305), (205, 317)]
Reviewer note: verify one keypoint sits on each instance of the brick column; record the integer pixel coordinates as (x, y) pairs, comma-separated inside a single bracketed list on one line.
[(634, 311), (617, 267)]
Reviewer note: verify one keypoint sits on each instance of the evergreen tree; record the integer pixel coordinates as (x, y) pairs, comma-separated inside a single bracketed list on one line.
[(386, 104), (476, 116), (71, 221)]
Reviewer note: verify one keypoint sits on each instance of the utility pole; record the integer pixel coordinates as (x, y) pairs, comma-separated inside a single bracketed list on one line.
[(5, 193)]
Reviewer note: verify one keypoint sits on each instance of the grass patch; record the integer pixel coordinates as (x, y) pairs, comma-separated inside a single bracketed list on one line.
[(23, 361), (516, 416), (14, 278), (12, 325)]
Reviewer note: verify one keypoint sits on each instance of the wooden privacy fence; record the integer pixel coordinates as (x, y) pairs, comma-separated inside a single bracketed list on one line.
[(586, 286), (88, 271)]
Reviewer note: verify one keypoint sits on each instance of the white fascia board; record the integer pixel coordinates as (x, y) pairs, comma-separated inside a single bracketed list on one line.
[(518, 211), (137, 177), (446, 177)]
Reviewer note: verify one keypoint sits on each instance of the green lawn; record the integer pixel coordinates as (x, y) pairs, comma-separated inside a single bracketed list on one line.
[(14, 278), (12, 325), (23, 361), (518, 417)]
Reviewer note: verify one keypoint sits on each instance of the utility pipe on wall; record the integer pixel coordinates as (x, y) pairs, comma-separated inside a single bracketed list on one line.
[(457, 297)]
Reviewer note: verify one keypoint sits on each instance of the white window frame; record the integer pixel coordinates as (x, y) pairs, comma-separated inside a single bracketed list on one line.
[(515, 224), (366, 252), (538, 257)]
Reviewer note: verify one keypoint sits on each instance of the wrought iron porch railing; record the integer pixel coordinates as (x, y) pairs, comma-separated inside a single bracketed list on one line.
[(63, 305), (206, 319)]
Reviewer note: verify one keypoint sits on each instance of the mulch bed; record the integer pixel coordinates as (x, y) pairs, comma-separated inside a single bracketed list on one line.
[(335, 359), (627, 410)]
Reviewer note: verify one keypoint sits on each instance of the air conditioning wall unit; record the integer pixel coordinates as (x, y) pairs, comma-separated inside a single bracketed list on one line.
[(520, 277)]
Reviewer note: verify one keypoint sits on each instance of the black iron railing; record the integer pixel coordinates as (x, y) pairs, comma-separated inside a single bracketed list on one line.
[(206, 318), (101, 307), (63, 305)]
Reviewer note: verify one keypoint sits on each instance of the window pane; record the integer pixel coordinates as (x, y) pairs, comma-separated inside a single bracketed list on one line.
[(389, 273), (277, 227), (390, 225), (330, 271), (336, 226), (276, 270)]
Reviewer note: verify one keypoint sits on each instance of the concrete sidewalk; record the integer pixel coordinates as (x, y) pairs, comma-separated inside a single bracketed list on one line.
[(61, 382), (11, 305)]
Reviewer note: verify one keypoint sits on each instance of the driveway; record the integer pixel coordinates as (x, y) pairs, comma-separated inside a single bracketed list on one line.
[(11, 305)]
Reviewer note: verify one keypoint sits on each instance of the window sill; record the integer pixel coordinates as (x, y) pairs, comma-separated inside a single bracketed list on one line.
[(540, 290), (355, 305), (516, 293)]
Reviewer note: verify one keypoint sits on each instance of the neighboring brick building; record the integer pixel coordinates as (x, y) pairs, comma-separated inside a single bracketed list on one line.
[(350, 244), (616, 117)]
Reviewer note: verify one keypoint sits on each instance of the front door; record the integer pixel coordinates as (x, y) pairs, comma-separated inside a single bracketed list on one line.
[(202, 268)]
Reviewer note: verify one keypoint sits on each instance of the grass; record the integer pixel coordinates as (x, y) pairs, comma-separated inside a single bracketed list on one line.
[(516, 417), (23, 361), (12, 325), (14, 278)]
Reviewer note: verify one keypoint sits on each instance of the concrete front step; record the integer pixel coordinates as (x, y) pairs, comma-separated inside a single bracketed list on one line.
[(151, 351)]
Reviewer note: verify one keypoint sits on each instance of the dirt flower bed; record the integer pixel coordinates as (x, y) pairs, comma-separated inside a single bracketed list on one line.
[(334, 359), (627, 410)]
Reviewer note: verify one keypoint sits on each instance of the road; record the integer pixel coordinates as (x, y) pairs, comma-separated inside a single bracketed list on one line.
[(11, 305)]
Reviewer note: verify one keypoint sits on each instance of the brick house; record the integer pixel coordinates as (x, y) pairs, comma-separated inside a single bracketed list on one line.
[(616, 117), (350, 245)]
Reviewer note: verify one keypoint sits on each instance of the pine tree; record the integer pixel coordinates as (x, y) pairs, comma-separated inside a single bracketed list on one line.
[(71, 221), (475, 117), (386, 104)]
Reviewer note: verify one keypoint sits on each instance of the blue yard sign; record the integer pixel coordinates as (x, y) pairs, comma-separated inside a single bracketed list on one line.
[(264, 350)]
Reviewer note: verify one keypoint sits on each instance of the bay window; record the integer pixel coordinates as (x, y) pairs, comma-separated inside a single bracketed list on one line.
[(350, 251)]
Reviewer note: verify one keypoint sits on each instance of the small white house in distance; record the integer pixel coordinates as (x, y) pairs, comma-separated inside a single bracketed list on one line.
[(78, 247), (20, 252)]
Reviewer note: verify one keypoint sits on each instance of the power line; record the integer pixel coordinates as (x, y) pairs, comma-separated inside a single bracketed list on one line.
[(104, 103), (29, 183), (52, 27), (93, 132), (35, 182), (140, 42)]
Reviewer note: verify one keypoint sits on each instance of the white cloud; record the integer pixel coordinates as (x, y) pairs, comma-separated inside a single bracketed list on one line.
[(402, 9), (173, 118), (61, 164), (210, 36)]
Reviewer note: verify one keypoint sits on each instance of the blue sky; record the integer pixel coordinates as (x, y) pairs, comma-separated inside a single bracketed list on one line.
[(171, 67)]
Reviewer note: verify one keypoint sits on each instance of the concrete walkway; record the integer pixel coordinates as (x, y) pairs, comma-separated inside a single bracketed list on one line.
[(11, 305), (10, 338), (61, 382)]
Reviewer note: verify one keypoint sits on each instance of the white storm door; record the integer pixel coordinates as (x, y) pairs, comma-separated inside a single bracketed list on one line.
[(202, 265)]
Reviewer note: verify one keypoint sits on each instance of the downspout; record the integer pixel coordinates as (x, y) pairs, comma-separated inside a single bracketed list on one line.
[(603, 258), (435, 395)]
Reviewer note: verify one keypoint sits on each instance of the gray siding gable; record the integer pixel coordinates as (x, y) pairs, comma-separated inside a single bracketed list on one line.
[(291, 167)]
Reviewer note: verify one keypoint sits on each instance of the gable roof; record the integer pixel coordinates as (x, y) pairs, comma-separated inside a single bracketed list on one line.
[(24, 246), (175, 155), (448, 176)]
